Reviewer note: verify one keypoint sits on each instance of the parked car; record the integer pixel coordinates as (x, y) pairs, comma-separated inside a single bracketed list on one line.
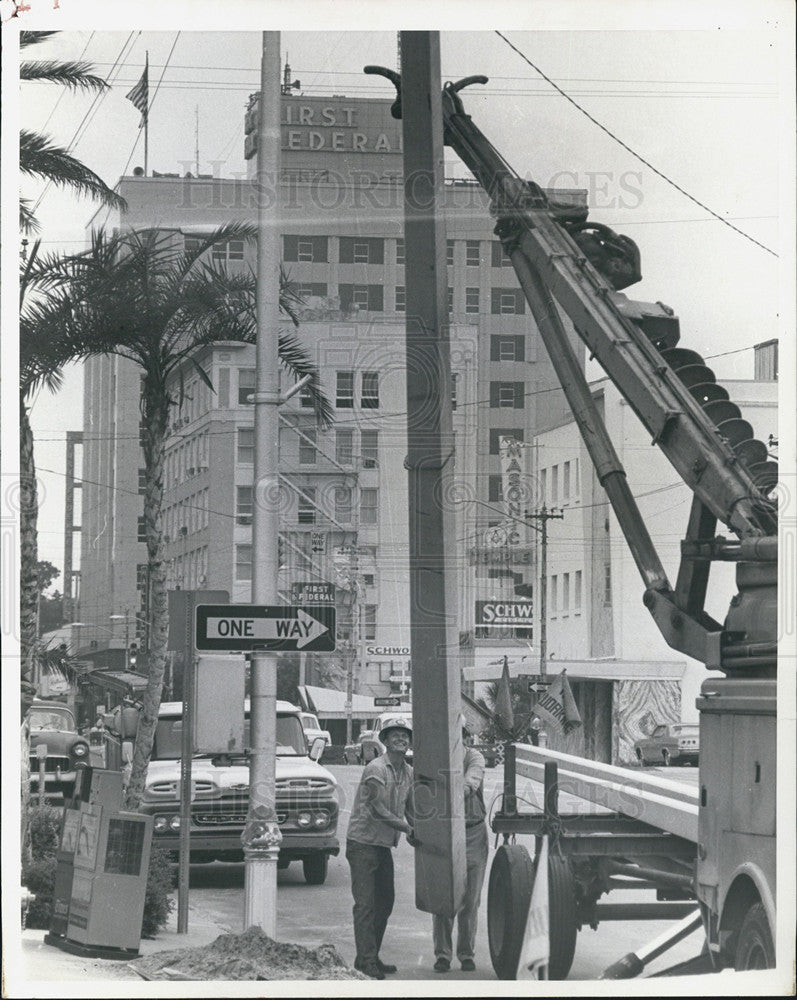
[(312, 729), (52, 724), (674, 743), (307, 796)]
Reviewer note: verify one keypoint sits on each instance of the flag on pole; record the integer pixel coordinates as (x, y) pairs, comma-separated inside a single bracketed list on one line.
[(503, 700), (535, 949), (139, 95), (557, 706)]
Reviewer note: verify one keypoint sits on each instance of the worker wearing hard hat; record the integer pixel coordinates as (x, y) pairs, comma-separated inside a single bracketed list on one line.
[(476, 849), (376, 822)]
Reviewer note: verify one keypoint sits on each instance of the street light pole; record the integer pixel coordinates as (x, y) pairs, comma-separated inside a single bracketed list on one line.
[(261, 837), (544, 516)]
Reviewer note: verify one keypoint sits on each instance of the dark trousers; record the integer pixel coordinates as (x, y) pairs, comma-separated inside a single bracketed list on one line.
[(373, 892)]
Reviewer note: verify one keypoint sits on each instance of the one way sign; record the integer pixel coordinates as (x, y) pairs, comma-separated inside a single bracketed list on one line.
[(247, 627)]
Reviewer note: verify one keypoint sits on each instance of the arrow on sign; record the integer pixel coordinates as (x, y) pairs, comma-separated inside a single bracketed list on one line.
[(539, 685), (303, 628)]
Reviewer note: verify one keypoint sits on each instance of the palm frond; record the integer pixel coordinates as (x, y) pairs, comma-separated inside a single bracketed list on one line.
[(27, 38), (39, 156), (73, 75), (28, 223)]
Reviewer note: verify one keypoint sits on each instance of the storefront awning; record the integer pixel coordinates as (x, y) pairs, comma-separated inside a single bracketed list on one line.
[(327, 703)]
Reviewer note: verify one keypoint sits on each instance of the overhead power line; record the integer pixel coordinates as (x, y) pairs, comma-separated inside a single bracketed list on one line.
[(633, 152)]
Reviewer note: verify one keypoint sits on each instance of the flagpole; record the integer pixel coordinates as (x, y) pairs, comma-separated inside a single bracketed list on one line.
[(146, 120)]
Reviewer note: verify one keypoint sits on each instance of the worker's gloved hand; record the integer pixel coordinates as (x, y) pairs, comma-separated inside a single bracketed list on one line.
[(412, 840)]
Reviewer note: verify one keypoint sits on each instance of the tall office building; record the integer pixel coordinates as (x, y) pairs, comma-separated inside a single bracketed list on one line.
[(343, 498)]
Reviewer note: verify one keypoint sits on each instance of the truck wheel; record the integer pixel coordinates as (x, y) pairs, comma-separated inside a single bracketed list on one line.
[(755, 949), (508, 898), (315, 869), (563, 924)]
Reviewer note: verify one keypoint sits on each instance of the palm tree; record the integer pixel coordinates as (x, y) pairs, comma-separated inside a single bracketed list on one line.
[(521, 707), (39, 156), (142, 297)]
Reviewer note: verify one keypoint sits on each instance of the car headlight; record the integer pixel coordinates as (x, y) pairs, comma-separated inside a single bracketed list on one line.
[(304, 819), (321, 819), (160, 824), (174, 822), (80, 750)]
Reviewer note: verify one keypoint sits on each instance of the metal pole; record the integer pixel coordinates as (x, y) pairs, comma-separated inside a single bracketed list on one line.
[(543, 593), (261, 837)]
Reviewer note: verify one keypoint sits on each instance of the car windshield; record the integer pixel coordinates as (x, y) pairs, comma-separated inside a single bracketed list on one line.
[(52, 719), (169, 734)]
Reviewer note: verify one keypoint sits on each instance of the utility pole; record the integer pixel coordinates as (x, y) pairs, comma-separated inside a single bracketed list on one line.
[(261, 837), (544, 516)]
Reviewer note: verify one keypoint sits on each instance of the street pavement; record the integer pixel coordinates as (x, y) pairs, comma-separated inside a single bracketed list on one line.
[(312, 915)]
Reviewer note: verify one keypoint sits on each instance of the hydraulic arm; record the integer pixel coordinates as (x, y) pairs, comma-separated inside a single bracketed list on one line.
[(563, 262)]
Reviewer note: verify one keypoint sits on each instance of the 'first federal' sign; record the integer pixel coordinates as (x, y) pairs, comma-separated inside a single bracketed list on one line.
[(236, 628)]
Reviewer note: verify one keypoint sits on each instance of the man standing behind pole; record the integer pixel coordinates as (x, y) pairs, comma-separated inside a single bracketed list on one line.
[(377, 819), (476, 848)]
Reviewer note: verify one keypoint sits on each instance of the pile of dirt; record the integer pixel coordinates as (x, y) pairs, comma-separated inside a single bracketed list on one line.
[(251, 955)]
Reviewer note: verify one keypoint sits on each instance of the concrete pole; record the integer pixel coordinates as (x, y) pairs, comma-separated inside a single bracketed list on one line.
[(436, 696), (261, 837)]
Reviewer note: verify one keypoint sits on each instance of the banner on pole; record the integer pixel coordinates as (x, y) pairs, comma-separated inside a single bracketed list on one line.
[(557, 706)]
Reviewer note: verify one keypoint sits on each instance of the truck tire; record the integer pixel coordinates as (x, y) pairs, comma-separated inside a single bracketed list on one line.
[(508, 898), (755, 949), (315, 869), (562, 916)]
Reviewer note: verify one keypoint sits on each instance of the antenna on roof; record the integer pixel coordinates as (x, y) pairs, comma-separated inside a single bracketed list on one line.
[(287, 85), (196, 141)]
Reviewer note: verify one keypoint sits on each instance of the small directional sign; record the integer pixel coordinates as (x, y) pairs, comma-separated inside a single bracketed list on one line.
[(387, 702), (247, 627), (539, 685)]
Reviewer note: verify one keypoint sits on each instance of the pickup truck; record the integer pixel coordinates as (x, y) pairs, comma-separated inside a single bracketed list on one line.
[(307, 797)]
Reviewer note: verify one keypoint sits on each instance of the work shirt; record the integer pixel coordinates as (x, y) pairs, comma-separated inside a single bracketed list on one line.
[(365, 827), (473, 763)]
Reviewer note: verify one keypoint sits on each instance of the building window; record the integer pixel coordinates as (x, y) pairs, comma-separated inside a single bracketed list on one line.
[(553, 596), (307, 447), (369, 448), (507, 395), (343, 504), (450, 253), (496, 433), (495, 489), (369, 622), (243, 562), (454, 382), (507, 301), (362, 250), (369, 399), (244, 504), (401, 298), (246, 385), (472, 253), (368, 579), (506, 348), (344, 396), (231, 250), (577, 592), (310, 289), (369, 297), (142, 481), (306, 396), (312, 249), (499, 256), (607, 583), (191, 244), (544, 485), (555, 485), (246, 445), (566, 593), (307, 506), (471, 300), (369, 505), (400, 251), (450, 299), (141, 535), (344, 447)]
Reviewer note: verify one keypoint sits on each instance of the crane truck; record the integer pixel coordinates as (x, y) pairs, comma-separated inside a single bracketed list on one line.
[(711, 850)]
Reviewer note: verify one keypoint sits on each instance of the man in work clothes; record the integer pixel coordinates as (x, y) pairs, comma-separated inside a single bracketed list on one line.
[(476, 849), (376, 821)]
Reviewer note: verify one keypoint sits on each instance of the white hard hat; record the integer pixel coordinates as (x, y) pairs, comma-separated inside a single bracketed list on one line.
[(395, 722)]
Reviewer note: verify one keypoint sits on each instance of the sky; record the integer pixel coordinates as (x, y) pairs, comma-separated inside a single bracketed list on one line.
[(703, 105)]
